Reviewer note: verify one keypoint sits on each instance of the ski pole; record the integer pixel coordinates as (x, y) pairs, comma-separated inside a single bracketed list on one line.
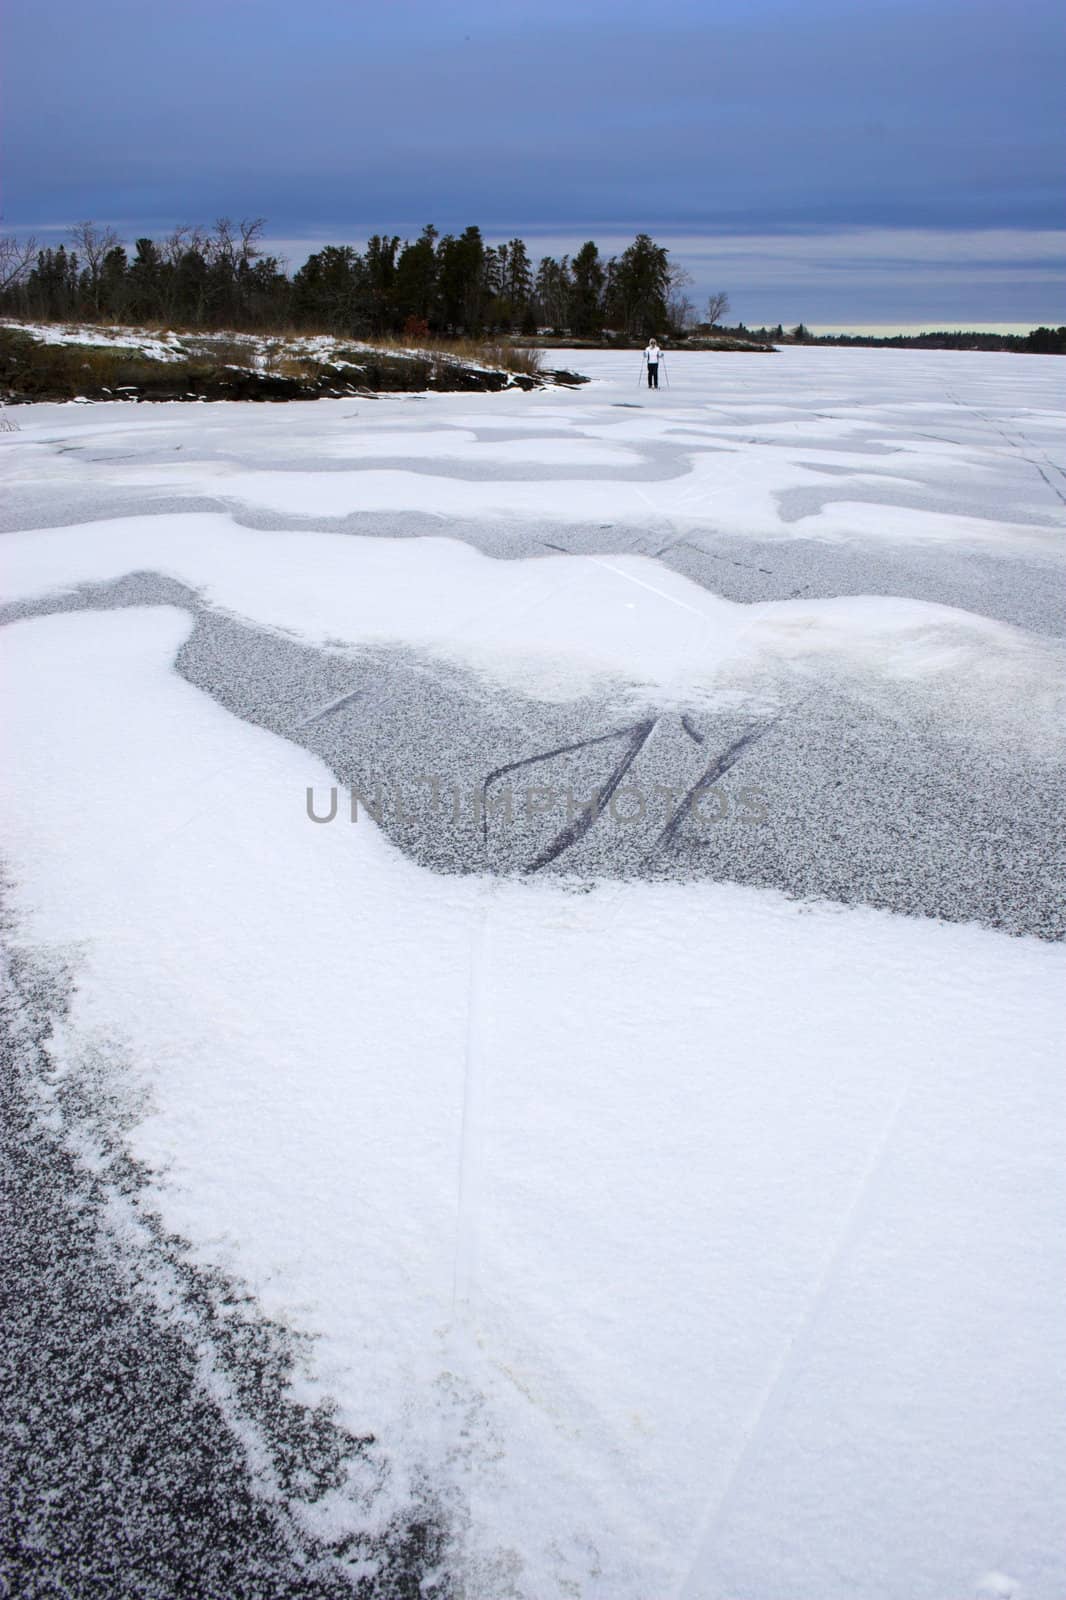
[(666, 374), (640, 374)]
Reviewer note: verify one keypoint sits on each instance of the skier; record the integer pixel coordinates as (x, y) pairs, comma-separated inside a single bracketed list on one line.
[(653, 355)]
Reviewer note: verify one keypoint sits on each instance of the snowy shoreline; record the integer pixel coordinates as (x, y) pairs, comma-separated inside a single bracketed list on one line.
[(50, 362)]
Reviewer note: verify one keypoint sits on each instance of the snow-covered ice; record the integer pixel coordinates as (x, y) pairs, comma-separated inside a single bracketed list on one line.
[(688, 1239)]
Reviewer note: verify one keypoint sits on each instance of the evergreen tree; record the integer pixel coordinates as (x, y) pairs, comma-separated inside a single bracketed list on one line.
[(145, 279), (461, 288), (328, 289), (554, 291), (586, 298), (379, 275), (52, 286), (415, 286), (113, 294), (1045, 341), (187, 299), (518, 279), (266, 293), (639, 287)]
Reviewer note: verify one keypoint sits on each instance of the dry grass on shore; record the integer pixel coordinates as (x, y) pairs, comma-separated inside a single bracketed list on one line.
[(119, 361), (286, 349)]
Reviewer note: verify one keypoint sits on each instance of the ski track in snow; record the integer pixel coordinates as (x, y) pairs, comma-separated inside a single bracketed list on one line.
[(669, 1236)]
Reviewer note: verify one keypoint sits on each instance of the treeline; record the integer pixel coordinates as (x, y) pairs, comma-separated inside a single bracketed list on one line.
[(451, 284), (1038, 341)]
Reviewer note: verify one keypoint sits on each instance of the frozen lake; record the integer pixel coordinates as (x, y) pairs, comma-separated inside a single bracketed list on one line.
[(641, 1108)]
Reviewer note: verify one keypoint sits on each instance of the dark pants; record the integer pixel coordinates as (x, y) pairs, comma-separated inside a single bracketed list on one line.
[(653, 374)]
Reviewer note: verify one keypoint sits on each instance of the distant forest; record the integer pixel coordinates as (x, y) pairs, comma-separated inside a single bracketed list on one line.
[(445, 285), (1039, 341)]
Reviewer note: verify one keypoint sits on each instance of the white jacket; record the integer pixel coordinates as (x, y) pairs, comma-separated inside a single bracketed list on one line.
[(653, 354)]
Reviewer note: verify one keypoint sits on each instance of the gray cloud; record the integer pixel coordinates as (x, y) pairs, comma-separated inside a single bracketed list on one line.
[(754, 119)]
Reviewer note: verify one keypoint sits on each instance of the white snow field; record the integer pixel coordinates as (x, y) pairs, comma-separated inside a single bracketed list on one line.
[(679, 1238)]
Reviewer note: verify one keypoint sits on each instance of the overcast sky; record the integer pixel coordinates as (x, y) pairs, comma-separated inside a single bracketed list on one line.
[(839, 161)]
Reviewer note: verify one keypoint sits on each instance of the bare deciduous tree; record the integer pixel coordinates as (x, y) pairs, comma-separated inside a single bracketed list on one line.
[(717, 307), (185, 238), (237, 243), (16, 260), (680, 311), (92, 245)]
